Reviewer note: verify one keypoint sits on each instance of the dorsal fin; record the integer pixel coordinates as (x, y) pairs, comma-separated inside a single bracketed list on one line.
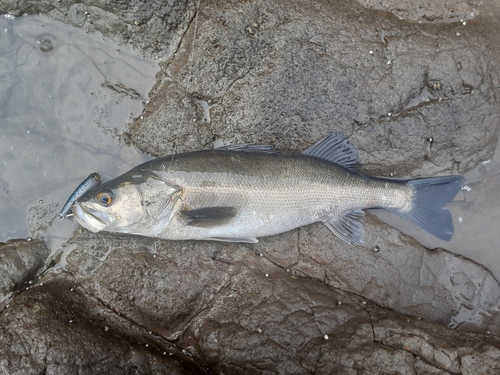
[(245, 147), (335, 148)]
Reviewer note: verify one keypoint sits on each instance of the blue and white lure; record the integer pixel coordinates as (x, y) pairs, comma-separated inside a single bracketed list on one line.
[(90, 182)]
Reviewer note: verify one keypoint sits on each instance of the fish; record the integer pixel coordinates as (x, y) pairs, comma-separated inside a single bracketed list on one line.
[(243, 192), (93, 180)]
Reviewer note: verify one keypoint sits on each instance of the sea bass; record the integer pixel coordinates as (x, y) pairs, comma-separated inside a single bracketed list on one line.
[(239, 193)]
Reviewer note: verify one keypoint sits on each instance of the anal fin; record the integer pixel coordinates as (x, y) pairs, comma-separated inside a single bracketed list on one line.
[(348, 228)]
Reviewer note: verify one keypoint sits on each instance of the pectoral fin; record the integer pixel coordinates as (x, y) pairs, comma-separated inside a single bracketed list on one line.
[(209, 217), (349, 227)]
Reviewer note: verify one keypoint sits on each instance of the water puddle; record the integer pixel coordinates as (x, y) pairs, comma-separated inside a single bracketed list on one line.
[(66, 97)]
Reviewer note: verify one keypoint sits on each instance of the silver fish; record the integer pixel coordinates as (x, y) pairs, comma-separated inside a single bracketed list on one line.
[(239, 193), (90, 182)]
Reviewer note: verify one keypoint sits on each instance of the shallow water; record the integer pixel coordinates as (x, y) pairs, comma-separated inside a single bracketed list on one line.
[(65, 99)]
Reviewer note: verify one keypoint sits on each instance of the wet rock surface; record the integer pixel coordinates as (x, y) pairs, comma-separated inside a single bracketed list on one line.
[(55, 328), (410, 96), (155, 28), (126, 303), (423, 11), (20, 264)]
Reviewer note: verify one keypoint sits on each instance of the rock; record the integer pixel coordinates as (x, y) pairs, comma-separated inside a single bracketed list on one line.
[(400, 274), (423, 11), (56, 328), (414, 98), (158, 284), (448, 350), (411, 97), (155, 28), (40, 217), (225, 309), (20, 265)]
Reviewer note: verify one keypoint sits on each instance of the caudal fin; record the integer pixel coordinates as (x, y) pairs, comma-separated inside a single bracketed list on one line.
[(429, 210)]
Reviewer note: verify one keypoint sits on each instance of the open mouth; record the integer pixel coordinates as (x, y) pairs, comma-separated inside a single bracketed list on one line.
[(87, 219)]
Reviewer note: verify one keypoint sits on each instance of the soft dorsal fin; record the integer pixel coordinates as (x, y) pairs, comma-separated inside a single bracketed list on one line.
[(349, 227), (245, 147), (335, 148)]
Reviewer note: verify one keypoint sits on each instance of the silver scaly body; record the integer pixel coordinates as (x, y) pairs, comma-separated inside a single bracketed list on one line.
[(272, 193)]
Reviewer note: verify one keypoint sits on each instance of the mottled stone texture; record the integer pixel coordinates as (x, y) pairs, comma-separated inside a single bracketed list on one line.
[(20, 265), (128, 304), (155, 27), (415, 98)]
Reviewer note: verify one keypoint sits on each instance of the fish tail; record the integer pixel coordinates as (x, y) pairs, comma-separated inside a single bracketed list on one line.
[(429, 210)]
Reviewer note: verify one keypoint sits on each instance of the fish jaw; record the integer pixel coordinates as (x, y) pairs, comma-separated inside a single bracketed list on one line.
[(88, 219)]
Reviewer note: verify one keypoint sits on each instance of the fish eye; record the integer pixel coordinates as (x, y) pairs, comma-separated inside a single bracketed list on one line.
[(105, 198)]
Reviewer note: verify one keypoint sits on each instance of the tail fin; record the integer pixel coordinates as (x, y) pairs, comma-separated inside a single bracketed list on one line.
[(429, 210)]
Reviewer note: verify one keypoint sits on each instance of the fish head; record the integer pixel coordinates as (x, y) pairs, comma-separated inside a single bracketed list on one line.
[(141, 205)]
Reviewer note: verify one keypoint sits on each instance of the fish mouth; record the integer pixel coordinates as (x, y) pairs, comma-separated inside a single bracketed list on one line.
[(87, 219)]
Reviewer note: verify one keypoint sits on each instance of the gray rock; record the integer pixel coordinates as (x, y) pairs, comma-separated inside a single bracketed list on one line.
[(423, 11), (155, 28), (400, 274), (159, 284), (57, 328), (20, 265), (415, 99), (225, 307)]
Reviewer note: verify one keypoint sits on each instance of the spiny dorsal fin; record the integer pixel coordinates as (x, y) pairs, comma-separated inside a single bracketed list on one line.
[(335, 148), (245, 147), (208, 217), (349, 227)]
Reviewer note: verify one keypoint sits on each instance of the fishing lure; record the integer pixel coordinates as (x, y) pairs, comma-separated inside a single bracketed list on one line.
[(90, 182)]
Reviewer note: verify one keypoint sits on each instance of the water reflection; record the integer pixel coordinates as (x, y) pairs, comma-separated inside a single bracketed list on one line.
[(65, 99)]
